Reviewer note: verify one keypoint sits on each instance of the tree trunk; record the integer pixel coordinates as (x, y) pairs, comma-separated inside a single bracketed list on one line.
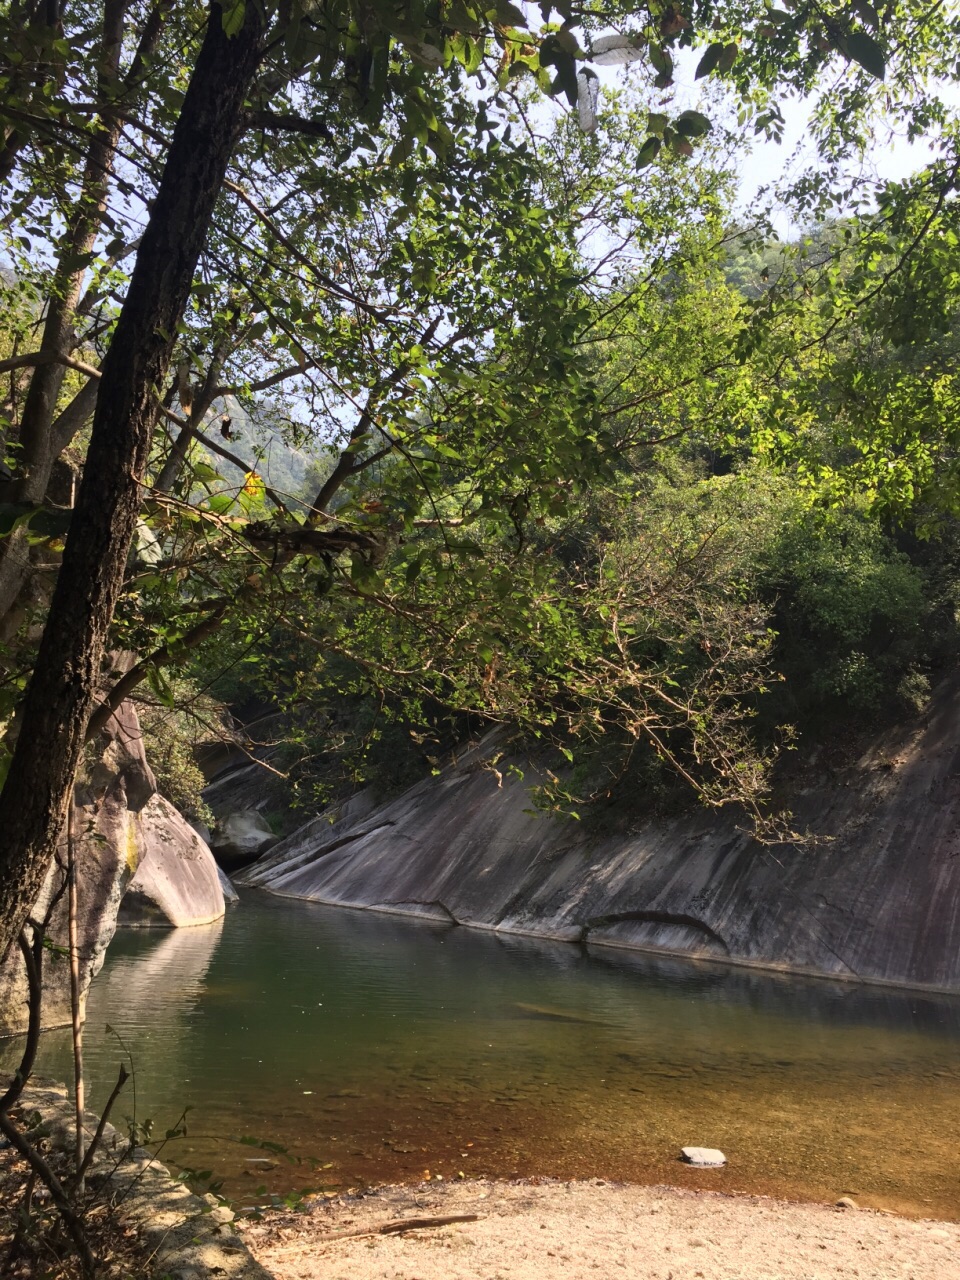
[(59, 698), (38, 446)]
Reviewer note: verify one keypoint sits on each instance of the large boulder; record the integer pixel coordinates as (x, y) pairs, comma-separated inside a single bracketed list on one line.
[(125, 835), (176, 882), (240, 838), (877, 900), (108, 798)]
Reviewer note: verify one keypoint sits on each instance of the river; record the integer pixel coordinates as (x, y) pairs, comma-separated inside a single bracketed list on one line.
[(373, 1048)]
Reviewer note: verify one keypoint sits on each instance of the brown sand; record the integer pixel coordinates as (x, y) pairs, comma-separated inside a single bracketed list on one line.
[(577, 1230)]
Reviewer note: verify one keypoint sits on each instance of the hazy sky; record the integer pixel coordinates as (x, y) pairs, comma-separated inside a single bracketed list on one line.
[(890, 160)]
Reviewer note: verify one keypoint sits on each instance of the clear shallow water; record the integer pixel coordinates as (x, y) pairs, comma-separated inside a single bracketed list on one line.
[(374, 1048)]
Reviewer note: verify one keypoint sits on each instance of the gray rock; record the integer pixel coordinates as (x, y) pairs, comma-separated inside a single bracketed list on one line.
[(703, 1157), (176, 881), (230, 895), (241, 837), (109, 799), (137, 858), (878, 901), (202, 830), (183, 1236)]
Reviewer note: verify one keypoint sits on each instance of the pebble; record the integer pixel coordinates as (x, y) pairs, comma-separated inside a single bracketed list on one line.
[(846, 1202)]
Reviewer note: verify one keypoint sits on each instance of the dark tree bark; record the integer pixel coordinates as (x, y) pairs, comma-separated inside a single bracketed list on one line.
[(58, 701)]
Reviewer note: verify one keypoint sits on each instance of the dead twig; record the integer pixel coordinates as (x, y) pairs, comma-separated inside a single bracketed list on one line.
[(394, 1227)]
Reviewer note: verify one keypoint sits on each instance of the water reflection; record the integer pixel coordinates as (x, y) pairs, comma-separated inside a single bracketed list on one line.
[(380, 1047)]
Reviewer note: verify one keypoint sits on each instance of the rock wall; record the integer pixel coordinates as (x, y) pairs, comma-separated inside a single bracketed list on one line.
[(877, 900), (125, 835)]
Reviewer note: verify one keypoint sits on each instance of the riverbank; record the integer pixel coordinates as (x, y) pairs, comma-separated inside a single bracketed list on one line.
[(138, 1221), (572, 1230)]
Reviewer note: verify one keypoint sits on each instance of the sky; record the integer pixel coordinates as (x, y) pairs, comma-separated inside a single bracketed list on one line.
[(890, 160), (768, 161)]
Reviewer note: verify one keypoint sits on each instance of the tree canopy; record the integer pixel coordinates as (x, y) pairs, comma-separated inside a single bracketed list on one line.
[(353, 218)]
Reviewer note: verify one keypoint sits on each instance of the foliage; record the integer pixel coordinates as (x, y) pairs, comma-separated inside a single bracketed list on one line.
[(468, 316), (173, 730), (850, 611)]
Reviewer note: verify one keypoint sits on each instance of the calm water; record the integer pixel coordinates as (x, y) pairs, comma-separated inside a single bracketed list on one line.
[(374, 1048)]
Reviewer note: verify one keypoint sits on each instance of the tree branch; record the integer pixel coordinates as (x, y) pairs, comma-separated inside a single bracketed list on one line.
[(337, 290), (161, 657), (274, 123), (35, 359)]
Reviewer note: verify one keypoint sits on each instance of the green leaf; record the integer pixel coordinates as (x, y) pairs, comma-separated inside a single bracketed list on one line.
[(648, 152), (865, 50), (728, 57), (401, 152), (692, 124), (509, 15), (656, 123), (566, 77), (868, 13), (44, 522), (204, 472), (661, 60), (233, 15), (709, 61)]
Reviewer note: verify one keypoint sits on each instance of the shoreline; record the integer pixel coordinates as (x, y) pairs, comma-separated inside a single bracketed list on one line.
[(550, 1230), (765, 968)]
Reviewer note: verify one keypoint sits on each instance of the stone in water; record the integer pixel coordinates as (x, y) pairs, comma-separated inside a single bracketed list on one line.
[(703, 1157)]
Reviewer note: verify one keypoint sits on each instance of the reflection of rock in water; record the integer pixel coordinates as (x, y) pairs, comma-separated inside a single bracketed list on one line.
[(161, 982), (146, 1000)]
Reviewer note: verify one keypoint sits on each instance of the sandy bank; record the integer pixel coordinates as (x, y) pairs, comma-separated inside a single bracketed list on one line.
[(572, 1231)]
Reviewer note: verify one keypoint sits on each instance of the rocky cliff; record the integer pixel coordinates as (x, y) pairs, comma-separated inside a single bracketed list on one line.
[(128, 841), (877, 899)]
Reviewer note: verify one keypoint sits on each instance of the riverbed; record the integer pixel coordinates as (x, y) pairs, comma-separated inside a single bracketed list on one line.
[(301, 1046)]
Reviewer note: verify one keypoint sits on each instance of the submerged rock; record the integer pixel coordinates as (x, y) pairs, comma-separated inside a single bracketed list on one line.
[(879, 900), (703, 1157)]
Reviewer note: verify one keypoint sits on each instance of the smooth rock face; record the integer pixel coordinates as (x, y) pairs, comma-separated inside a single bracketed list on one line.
[(703, 1157), (176, 881), (128, 840), (106, 846), (879, 901), (241, 837)]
